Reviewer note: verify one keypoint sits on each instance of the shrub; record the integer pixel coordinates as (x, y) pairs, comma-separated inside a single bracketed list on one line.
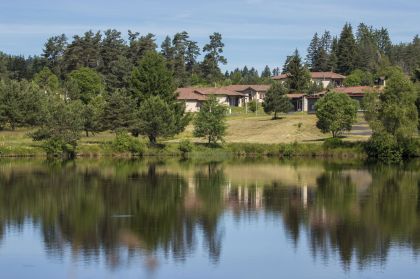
[(333, 143), (125, 143), (384, 147), (185, 146), (252, 106), (287, 150), (58, 148)]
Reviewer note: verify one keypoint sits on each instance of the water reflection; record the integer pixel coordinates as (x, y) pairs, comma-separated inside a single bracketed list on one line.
[(128, 210)]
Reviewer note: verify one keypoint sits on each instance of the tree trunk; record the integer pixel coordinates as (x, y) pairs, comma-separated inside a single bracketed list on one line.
[(87, 133), (152, 139)]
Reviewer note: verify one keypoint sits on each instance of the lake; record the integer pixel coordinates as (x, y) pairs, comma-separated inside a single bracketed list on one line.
[(262, 218)]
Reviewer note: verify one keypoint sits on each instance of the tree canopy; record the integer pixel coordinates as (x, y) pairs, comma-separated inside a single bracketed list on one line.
[(276, 100), (336, 113), (210, 121)]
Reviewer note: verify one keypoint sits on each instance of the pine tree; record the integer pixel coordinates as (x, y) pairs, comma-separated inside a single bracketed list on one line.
[(346, 50), (213, 57), (180, 47), (298, 75), (313, 50), (191, 55), (139, 46), (153, 89), (167, 51), (266, 73), (210, 121), (83, 52), (53, 53), (115, 66), (276, 100), (118, 112)]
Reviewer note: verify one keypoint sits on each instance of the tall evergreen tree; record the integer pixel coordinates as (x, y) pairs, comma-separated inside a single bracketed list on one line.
[(53, 53), (346, 50), (210, 121), (298, 75), (115, 66), (313, 50), (179, 42), (153, 89), (167, 51), (266, 73), (213, 57), (139, 46), (276, 100), (83, 52)]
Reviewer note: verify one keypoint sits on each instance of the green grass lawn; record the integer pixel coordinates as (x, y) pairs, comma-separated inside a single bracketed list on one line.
[(242, 128), (260, 128)]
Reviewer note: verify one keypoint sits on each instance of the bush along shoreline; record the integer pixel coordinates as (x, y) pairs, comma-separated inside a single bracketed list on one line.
[(126, 146)]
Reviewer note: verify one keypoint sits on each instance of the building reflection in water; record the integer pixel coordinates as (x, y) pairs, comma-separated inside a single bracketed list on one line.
[(141, 213)]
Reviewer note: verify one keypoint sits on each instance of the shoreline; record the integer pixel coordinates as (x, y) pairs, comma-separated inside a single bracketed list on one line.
[(353, 150)]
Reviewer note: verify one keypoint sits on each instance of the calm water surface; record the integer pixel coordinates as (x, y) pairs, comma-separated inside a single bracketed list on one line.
[(234, 219)]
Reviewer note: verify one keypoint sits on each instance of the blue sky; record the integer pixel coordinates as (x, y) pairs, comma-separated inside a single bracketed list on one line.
[(256, 32)]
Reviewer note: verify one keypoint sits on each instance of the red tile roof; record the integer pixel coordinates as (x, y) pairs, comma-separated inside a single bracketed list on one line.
[(326, 75), (200, 94), (280, 77), (354, 89), (256, 87), (189, 93), (219, 91), (295, 95)]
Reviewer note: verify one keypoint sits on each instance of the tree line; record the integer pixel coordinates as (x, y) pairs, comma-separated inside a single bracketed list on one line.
[(368, 49)]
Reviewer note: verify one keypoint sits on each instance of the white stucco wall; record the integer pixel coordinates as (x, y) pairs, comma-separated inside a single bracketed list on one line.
[(325, 82), (192, 106)]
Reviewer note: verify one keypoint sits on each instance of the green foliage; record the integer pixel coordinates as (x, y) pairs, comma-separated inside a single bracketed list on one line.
[(157, 118), (384, 146), (397, 110), (123, 142), (212, 58), (276, 100), (346, 50), (210, 121), (359, 78), (153, 88), (21, 104), (315, 87), (252, 106), (61, 127), (89, 84), (298, 75), (393, 117), (185, 146), (118, 112), (321, 53), (336, 113), (333, 143), (152, 78), (47, 80), (92, 115)]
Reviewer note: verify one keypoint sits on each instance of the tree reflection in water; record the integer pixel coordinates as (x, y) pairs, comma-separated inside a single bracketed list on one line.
[(168, 208)]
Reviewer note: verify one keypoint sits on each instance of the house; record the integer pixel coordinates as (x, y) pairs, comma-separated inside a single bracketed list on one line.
[(357, 93), (194, 97), (252, 92), (324, 78)]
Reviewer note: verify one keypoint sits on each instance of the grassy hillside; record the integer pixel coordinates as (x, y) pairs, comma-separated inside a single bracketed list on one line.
[(300, 127), (242, 128)]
